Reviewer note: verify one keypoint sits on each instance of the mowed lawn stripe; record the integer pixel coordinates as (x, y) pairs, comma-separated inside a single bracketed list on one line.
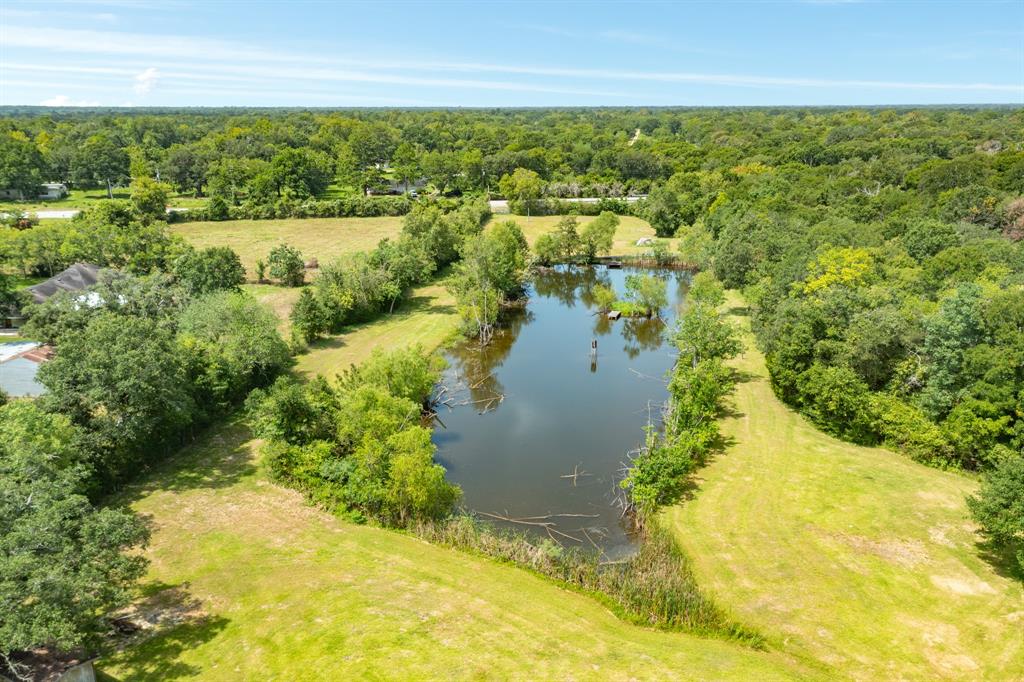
[(856, 556)]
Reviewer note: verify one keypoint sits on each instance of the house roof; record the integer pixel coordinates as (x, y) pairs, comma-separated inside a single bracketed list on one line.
[(18, 365), (76, 278)]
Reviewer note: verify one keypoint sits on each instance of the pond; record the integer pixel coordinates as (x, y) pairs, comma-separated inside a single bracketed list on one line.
[(537, 428)]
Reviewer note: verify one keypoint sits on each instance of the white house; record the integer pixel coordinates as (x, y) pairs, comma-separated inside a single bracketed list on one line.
[(53, 190), (48, 190)]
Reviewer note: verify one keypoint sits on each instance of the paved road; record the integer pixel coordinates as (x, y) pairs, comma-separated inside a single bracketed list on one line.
[(71, 213)]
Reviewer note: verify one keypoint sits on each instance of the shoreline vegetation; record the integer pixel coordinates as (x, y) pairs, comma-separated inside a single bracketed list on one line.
[(654, 587), (833, 488)]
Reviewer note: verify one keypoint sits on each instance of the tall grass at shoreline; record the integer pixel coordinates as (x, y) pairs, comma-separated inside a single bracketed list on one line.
[(654, 587)]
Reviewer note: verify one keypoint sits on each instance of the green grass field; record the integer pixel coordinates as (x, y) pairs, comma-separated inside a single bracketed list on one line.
[(427, 317), (252, 583), (630, 230), (855, 556), (84, 198), (320, 238), (327, 238)]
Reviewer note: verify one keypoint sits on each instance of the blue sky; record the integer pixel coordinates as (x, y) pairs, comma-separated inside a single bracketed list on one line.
[(525, 53)]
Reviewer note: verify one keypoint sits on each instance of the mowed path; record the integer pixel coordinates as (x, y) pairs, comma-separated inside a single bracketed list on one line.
[(252, 583), (855, 556)]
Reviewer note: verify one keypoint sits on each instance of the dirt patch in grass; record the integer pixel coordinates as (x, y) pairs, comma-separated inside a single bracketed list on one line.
[(963, 586), (904, 553)]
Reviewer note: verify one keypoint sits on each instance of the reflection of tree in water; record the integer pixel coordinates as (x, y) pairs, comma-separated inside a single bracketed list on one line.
[(602, 325), (682, 285), (641, 334), (566, 284), (475, 365), (595, 276)]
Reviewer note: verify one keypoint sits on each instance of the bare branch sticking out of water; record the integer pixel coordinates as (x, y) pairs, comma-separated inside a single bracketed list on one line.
[(576, 473)]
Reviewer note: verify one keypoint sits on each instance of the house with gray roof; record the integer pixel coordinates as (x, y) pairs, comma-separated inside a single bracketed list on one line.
[(76, 278)]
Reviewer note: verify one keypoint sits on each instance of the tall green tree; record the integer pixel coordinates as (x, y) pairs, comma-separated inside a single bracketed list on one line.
[(21, 164), (523, 189), (64, 564), (663, 211), (122, 379), (100, 162)]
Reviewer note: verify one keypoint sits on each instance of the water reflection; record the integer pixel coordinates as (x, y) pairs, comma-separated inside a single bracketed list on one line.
[(641, 334), (538, 424)]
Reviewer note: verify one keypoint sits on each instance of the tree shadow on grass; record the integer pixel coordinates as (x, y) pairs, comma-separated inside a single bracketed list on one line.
[(738, 311), (689, 489), (162, 626), (217, 458), (1002, 558)]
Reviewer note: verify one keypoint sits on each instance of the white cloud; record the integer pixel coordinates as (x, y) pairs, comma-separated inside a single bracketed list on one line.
[(181, 61), (146, 81), (65, 101)]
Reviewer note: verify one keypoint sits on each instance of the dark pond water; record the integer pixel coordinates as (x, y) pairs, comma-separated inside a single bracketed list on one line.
[(534, 407)]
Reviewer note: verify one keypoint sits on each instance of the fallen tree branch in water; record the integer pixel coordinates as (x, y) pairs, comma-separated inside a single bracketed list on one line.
[(548, 526)]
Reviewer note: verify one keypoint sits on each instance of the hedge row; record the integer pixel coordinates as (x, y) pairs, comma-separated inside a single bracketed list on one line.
[(351, 207), (552, 206)]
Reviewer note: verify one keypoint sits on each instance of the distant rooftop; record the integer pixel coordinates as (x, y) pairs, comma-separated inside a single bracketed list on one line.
[(18, 365), (76, 278)]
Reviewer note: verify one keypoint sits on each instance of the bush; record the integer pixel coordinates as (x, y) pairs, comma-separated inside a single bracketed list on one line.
[(358, 446), (234, 346), (285, 264), (999, 505), (835, 399), (217, 209), (212, 269), (906, 428)]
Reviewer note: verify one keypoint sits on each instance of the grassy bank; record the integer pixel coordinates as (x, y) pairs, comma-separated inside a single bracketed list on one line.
[(427, 317), (320, 238), (630, 230), (855, 556), (250, 582)]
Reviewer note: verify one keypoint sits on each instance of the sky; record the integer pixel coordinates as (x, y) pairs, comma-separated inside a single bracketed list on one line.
[(525, 53)]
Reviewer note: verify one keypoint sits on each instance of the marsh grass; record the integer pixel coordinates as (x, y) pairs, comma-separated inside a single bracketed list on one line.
[(655, 587)]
